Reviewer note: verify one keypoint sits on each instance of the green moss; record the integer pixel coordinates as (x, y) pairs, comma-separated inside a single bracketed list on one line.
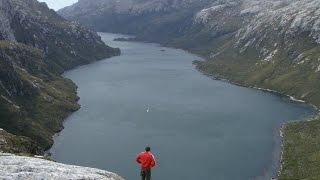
[(301, 158)]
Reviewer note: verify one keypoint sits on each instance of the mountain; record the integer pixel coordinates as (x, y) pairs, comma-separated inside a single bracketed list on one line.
[(277, 47), (271, 44), (161, 21), (36, 46), (65, 44)]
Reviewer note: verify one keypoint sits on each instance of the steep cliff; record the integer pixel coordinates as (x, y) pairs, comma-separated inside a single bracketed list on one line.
[(34, 100), (65, 44), (36, 46)]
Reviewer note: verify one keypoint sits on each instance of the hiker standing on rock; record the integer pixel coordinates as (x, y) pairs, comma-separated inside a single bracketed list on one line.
[(147, 161)]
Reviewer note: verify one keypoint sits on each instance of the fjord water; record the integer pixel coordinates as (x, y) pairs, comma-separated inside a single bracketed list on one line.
[(198, 128)]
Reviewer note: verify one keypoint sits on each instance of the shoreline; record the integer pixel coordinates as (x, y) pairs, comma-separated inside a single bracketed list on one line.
[(277, 93), (47, 150), (215, 77), (292, 98), (282, 126), (282, 149)]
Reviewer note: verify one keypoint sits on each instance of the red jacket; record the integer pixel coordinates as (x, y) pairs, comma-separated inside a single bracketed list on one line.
[(146, 160)]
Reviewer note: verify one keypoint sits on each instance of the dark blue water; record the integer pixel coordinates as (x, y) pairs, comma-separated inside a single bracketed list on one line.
[(198, 128)]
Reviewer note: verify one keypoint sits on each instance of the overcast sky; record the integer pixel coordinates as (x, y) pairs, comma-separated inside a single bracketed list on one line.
[(58, 4)]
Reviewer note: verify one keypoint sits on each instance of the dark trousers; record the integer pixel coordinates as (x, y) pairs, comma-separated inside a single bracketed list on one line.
[(146, 174)]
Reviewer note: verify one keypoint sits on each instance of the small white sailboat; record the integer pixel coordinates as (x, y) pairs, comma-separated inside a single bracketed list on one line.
[(148, 109)]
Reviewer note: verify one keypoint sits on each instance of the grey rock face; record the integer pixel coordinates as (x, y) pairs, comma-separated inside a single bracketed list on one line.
[(21, 168), (5, 17), (125, 6), (250, 21)]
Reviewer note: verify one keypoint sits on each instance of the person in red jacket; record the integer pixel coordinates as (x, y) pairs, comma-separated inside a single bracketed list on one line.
[(147, 161)]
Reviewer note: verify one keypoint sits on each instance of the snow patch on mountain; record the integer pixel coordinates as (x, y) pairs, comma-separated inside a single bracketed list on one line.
[(205, 15), (291, 16), (271, 55), (265, 23)]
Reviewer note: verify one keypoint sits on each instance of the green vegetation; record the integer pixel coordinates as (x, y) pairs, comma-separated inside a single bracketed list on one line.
[(18, 144), (301, 151), (33, 100), (248, 67), (245, 65), (301, 158), (267, 53), (34, 97)]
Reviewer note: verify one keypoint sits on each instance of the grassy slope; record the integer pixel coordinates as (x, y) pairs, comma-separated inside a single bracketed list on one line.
[(18, 144), (33, 101), (301, 139), (301, 158)]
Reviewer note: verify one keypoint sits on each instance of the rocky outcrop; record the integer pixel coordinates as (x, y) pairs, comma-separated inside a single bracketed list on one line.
[(20, 167), (5, 17)]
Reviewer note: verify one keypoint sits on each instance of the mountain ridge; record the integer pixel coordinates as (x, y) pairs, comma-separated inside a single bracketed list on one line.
[(260, 32), (36, 47)]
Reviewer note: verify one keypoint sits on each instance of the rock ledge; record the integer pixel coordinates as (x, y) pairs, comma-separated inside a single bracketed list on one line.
[(21, 167)]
